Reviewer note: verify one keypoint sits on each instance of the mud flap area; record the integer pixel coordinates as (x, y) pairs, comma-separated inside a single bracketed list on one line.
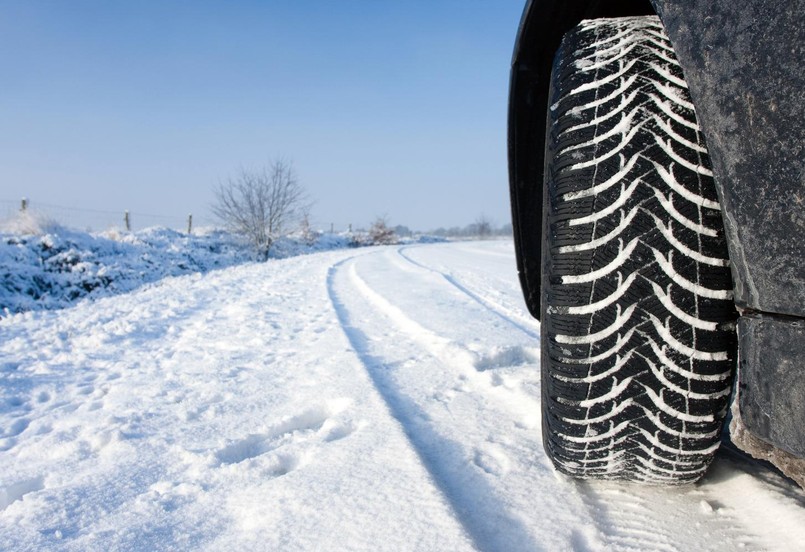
[(769, 405)]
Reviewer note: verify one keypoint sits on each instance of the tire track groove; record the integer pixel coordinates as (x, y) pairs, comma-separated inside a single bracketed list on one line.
[(484, 518)]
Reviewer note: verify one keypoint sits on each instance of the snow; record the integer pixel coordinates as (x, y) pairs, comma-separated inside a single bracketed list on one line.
[(382, 398), (44, 265)]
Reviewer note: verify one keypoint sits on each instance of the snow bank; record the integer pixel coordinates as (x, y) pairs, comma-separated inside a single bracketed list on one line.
[(50, 266), (44, 265)]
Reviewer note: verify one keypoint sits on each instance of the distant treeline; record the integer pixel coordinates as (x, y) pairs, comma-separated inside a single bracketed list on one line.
[(474, 230)]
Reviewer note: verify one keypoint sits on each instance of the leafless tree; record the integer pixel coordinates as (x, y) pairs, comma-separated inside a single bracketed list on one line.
[(306, 230), (262, 205), (380, 233), (483, 227)]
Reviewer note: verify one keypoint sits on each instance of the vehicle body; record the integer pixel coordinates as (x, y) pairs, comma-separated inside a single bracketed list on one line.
[(743, 63)]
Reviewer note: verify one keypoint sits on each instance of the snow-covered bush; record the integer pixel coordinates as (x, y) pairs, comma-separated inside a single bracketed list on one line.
[(50, 267), (379, 233), (45, 266), (30, 222)]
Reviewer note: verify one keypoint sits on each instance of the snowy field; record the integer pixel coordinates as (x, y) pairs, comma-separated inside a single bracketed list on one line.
[(359, 399)]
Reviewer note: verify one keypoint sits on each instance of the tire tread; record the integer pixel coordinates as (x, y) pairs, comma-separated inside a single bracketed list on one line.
[(637, 305)]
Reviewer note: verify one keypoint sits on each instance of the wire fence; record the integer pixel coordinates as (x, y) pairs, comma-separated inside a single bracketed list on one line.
[(95, 220)]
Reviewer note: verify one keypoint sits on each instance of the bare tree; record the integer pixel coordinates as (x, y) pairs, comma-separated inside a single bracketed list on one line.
[(306, 230), (483, 227), (262, 205), (380, 233)]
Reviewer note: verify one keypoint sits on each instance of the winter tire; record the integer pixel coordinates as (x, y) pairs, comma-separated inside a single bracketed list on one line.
[(637, 312)]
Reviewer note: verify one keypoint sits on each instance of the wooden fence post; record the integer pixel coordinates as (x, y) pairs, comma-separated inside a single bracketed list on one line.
[(127, 221), (190, 223), (24, 205)]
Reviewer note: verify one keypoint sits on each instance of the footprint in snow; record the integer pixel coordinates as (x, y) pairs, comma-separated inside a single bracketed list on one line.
[(492, 459), (15, 491), (335, 431), (315, 424), (9, 366), (502, 357), (15, 402), (95, 405), (17, 426)]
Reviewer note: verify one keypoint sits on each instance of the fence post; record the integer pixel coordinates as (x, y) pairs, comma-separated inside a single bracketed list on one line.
[(127, 221), (24, 205), (350, 228), (190, 223), (332, 228)]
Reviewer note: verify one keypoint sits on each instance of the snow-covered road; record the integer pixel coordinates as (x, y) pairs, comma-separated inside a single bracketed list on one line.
[(375, 399)]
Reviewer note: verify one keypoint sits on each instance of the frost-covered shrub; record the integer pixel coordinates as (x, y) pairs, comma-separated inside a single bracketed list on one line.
[(30, 222), (380, 233), (53, 268), (46, 266)]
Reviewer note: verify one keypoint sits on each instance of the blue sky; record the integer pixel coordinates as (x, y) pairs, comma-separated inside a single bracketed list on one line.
[(385, 108)]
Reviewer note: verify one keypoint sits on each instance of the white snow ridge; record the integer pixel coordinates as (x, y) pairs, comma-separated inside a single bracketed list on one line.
[(359, 399)]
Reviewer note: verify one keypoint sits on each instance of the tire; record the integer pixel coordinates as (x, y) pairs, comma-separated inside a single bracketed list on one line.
[(638, 338)]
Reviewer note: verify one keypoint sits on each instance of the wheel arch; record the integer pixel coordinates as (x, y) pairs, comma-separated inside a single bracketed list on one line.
[(543, 24)]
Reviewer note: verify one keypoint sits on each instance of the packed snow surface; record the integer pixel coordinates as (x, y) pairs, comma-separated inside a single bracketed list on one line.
[(361, 399)]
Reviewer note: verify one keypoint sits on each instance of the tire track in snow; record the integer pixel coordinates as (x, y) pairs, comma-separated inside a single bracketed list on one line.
[(636, 518), (492, 306), (490, 529), (452, 353), (488, 464)]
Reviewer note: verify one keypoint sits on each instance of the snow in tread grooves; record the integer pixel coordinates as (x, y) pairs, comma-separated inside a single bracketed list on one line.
[(597, 242)]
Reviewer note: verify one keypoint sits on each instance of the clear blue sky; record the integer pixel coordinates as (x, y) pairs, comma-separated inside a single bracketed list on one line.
[(395, 108)]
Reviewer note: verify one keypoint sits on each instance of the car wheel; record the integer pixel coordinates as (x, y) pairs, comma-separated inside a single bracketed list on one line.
[(638, 334)]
